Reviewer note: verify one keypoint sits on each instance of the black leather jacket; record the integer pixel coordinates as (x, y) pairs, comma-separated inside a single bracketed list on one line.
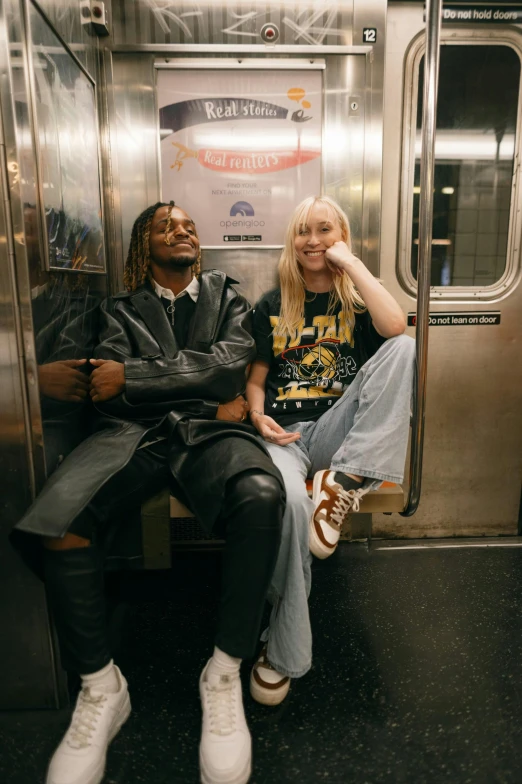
[(159, 378), (175, 393)]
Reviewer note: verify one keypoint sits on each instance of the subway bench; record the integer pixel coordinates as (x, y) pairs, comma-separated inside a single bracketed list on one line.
[(167, 524)]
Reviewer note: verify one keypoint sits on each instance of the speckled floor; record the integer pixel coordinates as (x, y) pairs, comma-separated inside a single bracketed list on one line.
[(417, 676)]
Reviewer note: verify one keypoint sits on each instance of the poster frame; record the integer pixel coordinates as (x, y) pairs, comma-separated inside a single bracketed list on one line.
[(43, 234), (243, 64)]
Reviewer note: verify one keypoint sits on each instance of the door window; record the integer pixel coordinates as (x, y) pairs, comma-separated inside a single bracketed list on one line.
[(474, 156)]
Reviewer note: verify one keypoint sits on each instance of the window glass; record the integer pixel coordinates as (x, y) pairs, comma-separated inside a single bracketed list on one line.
[(66, 126), (474, 153)]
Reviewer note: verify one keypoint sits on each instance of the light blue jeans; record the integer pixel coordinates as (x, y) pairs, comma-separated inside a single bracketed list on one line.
[(365, 433)]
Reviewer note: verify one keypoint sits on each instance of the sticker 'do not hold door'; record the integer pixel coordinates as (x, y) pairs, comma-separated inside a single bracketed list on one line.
[(240, 150)]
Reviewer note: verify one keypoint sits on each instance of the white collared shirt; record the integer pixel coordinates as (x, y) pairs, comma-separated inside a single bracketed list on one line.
[(192, 290)]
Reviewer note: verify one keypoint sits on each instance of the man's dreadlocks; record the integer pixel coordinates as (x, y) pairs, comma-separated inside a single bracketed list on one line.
[(138, 258)]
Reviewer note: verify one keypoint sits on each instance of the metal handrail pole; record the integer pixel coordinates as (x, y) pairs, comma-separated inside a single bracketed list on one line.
[(427, 177)]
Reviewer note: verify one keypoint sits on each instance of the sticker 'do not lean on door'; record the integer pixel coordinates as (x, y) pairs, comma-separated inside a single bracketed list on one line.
[(240, 150)]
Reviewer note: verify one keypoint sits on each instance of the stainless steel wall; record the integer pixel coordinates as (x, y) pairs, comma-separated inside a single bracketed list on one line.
[(65, 17), (29, 423), (25, 653), (158, 22), (473, 445)]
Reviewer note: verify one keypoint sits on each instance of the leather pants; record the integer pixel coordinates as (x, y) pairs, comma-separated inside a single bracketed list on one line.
[(250, 520), (75, 592), (251, 517)]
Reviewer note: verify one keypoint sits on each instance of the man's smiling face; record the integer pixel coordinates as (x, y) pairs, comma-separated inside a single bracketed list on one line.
[(183, 245)]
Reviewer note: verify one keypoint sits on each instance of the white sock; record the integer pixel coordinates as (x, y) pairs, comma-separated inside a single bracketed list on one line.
[(223, 664), (270, 674), (105, 680)]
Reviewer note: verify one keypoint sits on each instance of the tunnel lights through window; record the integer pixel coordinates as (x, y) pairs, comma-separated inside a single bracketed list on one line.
[(435, 242), (455, 145), (448, 191)]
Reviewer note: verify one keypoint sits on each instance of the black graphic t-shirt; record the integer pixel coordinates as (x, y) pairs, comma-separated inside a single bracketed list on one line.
[(309, 373)]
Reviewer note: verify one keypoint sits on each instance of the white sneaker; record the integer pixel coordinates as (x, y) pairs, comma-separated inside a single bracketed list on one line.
[(225, 751), (333, 504), (97, 719)]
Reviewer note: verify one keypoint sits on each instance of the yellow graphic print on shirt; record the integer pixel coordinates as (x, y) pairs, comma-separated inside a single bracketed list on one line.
[(312, 361)]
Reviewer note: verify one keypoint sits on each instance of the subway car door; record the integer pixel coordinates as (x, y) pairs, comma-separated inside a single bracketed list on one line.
[(473, 450)]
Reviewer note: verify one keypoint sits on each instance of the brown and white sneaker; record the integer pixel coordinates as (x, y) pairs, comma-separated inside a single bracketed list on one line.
[(333, 504), (267, 686)]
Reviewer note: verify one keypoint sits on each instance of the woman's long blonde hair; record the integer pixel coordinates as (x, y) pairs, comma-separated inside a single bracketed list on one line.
[(291, 277)]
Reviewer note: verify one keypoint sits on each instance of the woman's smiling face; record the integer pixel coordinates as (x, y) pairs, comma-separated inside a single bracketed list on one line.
[(313, 239)]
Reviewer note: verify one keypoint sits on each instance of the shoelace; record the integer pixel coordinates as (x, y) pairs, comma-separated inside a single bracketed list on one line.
[(221, 709), (347, 500), (84, 719)]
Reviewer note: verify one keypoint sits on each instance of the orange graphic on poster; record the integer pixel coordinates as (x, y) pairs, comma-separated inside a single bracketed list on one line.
[(297, 94), (244, 162)]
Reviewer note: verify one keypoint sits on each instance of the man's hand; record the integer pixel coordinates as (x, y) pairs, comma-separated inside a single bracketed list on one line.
[(235, 411), (271, 431), (108, 380), (61, 381)]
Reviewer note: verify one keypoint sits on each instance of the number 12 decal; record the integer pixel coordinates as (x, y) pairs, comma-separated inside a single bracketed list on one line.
[(369, 35)]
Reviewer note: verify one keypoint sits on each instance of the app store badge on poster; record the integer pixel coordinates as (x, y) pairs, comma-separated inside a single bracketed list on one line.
[(239, 154)]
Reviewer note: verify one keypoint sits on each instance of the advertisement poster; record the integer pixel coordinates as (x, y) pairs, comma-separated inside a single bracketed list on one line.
[(239, 150)]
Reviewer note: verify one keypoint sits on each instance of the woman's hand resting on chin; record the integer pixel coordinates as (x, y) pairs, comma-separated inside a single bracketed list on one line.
[(339, 258)]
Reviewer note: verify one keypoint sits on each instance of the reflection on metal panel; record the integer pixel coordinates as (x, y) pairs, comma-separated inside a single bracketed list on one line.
[(58, 316), (370, 15), (15, 458), (135, 138), (65, 317), (172, 22), (344, 141), (255, 269), (66, 136), (66, 20), (28, 656), (25, 216)]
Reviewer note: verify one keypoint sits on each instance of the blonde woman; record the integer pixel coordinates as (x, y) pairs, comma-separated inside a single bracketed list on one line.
[(330, 394)]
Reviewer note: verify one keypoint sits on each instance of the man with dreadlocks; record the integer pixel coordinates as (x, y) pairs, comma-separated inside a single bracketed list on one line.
[(167, 383)]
